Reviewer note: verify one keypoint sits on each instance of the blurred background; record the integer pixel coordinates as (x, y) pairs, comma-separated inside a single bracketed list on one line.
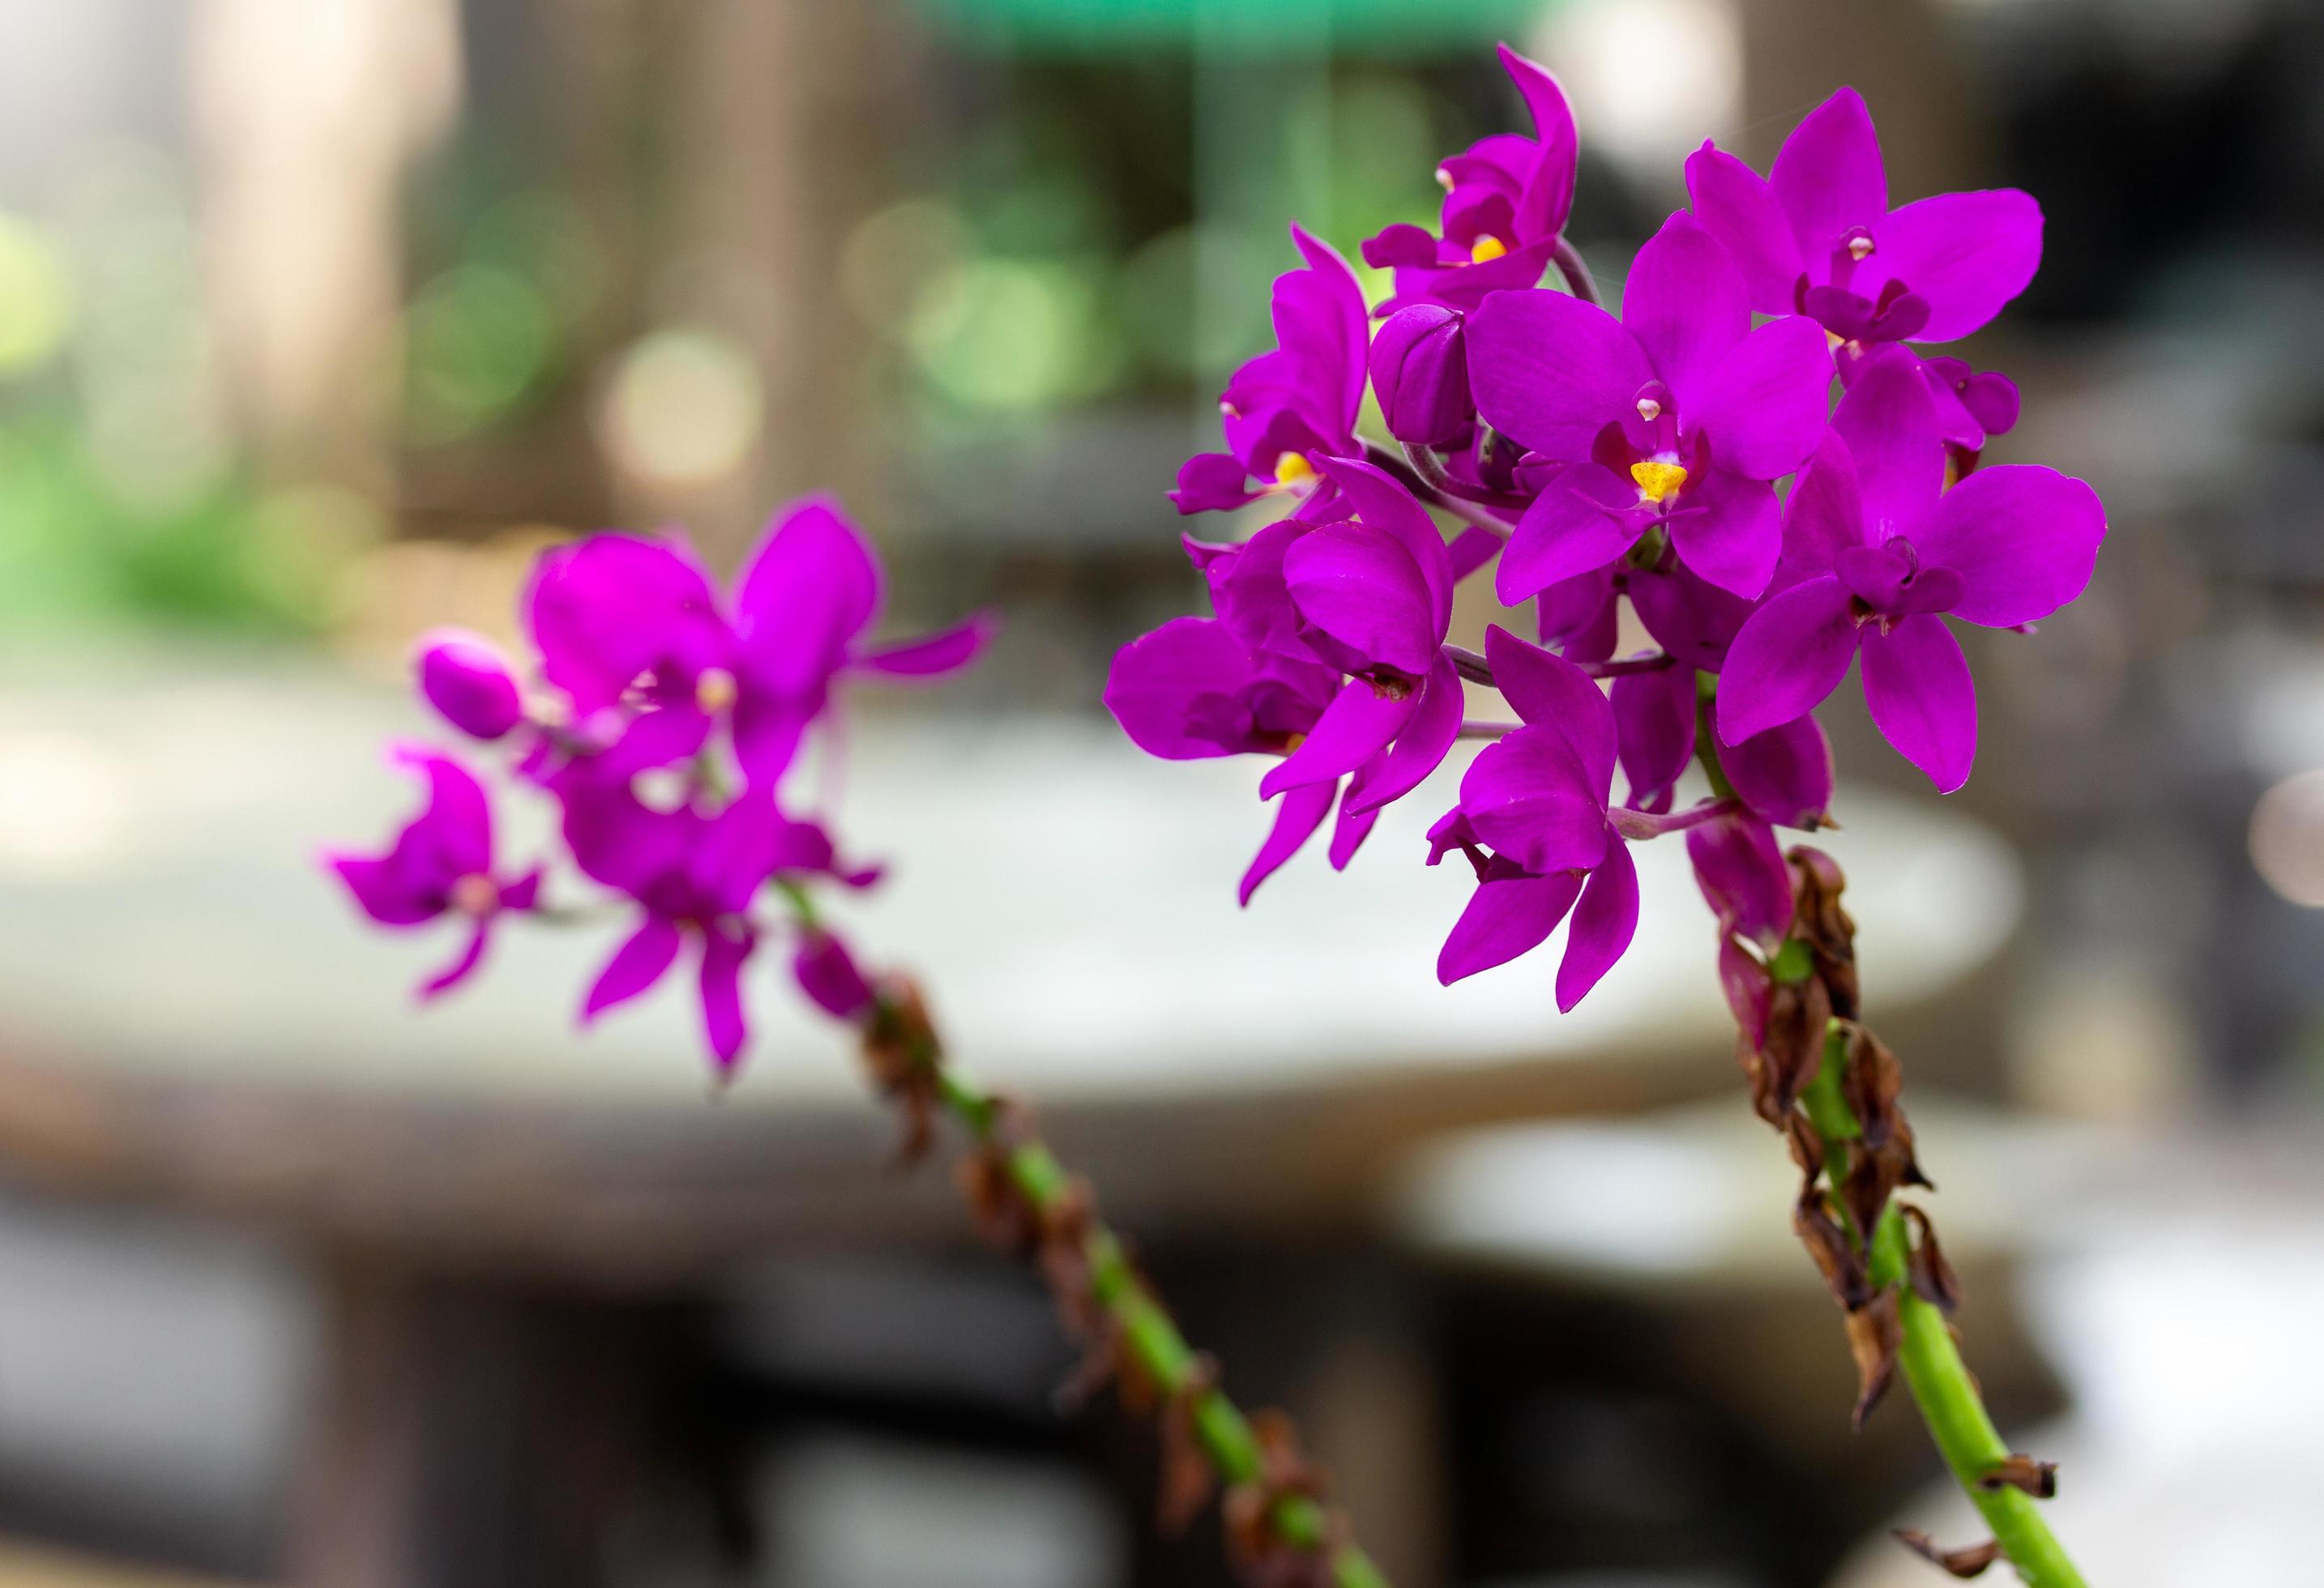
[(318, 319)]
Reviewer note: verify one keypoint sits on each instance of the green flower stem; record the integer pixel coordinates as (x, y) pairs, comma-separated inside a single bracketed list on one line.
[(1931, 1360), (1148, 1332)]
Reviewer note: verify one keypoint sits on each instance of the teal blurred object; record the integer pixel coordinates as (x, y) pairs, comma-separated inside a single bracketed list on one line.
[(1303, 27)]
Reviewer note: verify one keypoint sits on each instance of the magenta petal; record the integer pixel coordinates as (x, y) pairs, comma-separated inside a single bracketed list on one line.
[(608, 608), (1528, 797), (2023, 537), (1472, 550), (1966, 253), (1213, 482), (1356, 726), (1506, 916), (827, 974), (1691, 618), (1358, 584), (767, 731), (1744, 981), (1823, 517), (809, 587), (932, 654), (1302, 811), (1156, 681), (1320, 320), (1685, 303), (1729, 531), (1764, 405), (1736, 205), (1552, 370), (1603, 925), (1916, 683), (1548, 196), (1783, 774), (1420, 745), (468, 681), (1549, 691), (637, 965), (1890, 426), (1828, 176), (1565, 534), (384, 891), (1792, 654), (723, 950), (1655, 713), (460, 969), (1349, 833), (1742, 876), (456, 828), (1387, 507)]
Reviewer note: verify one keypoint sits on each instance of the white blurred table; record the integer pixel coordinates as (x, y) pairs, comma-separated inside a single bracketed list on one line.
[(192, 1009), (193, 1015)]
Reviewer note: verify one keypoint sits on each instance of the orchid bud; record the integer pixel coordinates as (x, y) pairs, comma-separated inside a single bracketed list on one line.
[(1420, 371), (468, 681), (827, 972)]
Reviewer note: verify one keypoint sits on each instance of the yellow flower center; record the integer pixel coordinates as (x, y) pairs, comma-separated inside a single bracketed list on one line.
[(1292, 468), (1658, 481), (1486, 248), (715, 692)]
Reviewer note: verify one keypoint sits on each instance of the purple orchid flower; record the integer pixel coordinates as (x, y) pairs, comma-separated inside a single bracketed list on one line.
[(1536, 821), (1328, 650), (1873, 554), (1193, 689), (1507, 198), (807, 595), (633, 631), (1285, 411), (441, 864), (1817, 237), (694, 876), (1678, 416)]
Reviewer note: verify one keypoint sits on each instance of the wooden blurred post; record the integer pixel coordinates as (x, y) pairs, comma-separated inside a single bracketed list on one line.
[(307, 115)]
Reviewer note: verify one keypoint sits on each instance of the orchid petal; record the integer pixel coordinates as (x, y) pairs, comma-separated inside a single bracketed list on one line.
[(2024, 539), (1527, 796), (722, 955), (1506, 916), (1784, 774), (1792, 654), (1655, 712), (1566, 533), (1730, 532), (1604, 922), (1420, 745), (1548, 691), (1764, 404), (460, 969), (1301, 812), (1358, 584), (1968, 255), (1917, 684), (1735, 203), (1742, 876), (1829, 177), (637, 965), (1357, 725), (1890, 426), (1685, 303), (1551, 370), (947, 650), (807, 589)]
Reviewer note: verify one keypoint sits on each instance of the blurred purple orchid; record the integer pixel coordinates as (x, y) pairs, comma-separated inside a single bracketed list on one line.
[(1678, 416), (1285, 411), (1507, 198), (441, 864), (694, 875), (1873, 555), (635, 634)]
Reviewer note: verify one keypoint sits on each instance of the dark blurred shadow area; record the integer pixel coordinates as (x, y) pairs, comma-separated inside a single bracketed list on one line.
[(318, 319)]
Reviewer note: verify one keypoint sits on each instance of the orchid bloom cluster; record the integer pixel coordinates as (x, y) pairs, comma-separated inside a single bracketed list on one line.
[(1622, 474), (660, 717)]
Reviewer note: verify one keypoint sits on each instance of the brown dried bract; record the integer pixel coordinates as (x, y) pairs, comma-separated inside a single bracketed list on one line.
[(1782, 1066), (1961, 1562), (1819, 921), (1187, 1478), (1873, 1336), (1836, 1256), (1261, 1554), (2015, 1471), (1933, 1277), (900, 1052)]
